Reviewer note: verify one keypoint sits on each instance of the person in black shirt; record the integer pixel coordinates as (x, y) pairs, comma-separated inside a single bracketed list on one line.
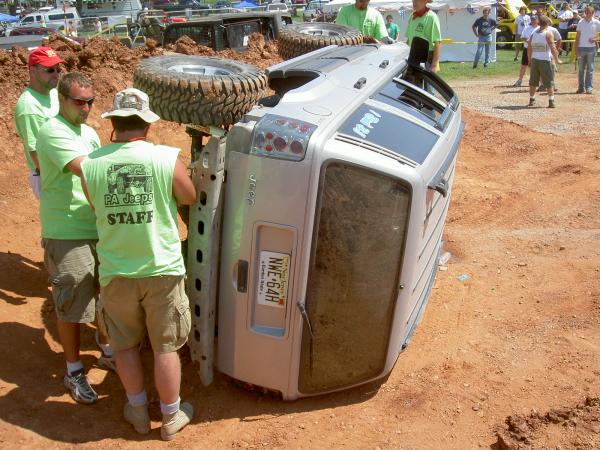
[(483, 28)]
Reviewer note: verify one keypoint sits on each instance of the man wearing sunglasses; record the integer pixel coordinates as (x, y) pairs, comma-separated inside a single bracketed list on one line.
[(37, 103), (68, 222)]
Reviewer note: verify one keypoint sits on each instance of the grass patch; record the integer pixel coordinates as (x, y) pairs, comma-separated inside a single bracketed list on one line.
[(504, 65)]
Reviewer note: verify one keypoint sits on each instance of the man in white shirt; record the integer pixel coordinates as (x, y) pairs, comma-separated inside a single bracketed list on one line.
[(564, 15), (525, 35), (521, 21), (585, 49)]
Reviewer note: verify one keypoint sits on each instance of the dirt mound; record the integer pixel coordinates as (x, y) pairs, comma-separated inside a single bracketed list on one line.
[(260, 53), (569, 427)]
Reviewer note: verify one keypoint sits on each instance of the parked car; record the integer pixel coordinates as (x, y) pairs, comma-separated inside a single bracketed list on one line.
[(313, 9)]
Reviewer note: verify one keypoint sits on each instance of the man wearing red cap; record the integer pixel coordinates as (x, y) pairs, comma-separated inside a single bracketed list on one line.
[(37, 103)]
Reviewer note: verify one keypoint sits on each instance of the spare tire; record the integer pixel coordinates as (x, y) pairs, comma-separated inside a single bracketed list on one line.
[(301, 38), (200, 90)]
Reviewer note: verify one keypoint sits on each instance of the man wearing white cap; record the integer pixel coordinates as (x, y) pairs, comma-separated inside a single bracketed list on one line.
[(134, 187)]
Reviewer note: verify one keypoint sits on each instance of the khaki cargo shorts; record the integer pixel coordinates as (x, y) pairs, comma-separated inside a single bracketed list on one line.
[(130, 306), (72, 266)]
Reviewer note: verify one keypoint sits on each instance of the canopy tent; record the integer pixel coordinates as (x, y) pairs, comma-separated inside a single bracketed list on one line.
[(8, 18), (244, 4), (456, 19)]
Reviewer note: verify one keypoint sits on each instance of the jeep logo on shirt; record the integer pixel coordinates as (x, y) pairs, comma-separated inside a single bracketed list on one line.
[(128, 180)]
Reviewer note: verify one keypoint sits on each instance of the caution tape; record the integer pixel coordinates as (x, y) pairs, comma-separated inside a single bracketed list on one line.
[(450, 41)]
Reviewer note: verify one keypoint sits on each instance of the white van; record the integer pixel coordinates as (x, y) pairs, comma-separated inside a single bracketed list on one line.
[(54, 16)]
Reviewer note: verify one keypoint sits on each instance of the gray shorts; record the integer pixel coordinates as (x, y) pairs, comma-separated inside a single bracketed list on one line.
[(72, 267)]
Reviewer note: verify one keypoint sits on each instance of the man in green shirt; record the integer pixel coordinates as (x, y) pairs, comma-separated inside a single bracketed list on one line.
[(365, 19), (391, 27), (135, 187), (37, 103), (69, 233), (424, 36)]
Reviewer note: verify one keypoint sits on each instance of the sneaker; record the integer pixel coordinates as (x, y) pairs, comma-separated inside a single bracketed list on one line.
[(485, 65), (138, 417), (516, 59), (579, 91), (551, 104), (531, 102), (172, 423), (107, 362), (79, 388), (589, 91), (517, 83), (541, 89)]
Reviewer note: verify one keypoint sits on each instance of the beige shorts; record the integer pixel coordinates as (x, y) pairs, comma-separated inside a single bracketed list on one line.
[(132, 306), (72, 267)]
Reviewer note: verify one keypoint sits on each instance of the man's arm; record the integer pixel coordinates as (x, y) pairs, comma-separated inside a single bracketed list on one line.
[(183, 188), (577, 38), (75, 166), (474, 28), (435, 59), (529, 50)]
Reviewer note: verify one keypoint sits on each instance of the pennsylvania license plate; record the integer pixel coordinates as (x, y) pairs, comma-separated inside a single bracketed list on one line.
[(273, 277)]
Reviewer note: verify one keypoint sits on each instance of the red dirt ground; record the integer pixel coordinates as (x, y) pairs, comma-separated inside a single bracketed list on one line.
[(509, 358)]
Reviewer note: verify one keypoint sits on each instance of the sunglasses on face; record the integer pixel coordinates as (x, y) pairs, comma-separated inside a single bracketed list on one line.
[(82, 101), (51, 69)]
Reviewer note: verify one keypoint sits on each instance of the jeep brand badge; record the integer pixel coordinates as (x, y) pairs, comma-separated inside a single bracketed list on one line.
[(251, 190), (365, 125)]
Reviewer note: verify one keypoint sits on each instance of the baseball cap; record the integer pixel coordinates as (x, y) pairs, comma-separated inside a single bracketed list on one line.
[(131, 102), (44, 56)]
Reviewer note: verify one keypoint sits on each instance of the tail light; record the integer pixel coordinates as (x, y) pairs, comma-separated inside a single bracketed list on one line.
[(281, 137)]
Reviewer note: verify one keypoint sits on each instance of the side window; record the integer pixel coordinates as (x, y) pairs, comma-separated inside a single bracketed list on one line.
[(28, 19)]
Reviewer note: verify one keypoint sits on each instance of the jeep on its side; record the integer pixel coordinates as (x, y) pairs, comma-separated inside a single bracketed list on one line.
[(229, 30)]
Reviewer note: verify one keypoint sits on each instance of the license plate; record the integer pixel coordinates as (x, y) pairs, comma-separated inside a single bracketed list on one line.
[(273, 277)]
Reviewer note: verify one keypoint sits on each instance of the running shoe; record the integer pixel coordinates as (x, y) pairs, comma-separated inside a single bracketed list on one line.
[(79, 388)]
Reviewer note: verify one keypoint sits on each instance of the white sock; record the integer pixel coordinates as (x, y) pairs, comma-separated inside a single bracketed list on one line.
[(551, 97), (166, 409), (74, 367), (107, 350), (139, 399)]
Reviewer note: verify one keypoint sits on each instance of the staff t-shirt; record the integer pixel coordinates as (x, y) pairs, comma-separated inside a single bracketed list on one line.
[(130, 185), (32, 111), (64, 211), (392, 30), (368, 21), (426, 27)]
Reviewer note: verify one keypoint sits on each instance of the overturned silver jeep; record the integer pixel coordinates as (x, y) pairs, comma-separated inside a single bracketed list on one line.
[(315, 241)]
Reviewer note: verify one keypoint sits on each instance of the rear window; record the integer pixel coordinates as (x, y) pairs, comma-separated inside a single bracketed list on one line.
[(354, 273), (61, 16), (203, 35)]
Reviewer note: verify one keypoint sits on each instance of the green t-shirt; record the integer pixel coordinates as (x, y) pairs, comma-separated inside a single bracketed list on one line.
[(64, 211), (131, 187), (368, 21), (426, 27), (32, 111), (392, 30)]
